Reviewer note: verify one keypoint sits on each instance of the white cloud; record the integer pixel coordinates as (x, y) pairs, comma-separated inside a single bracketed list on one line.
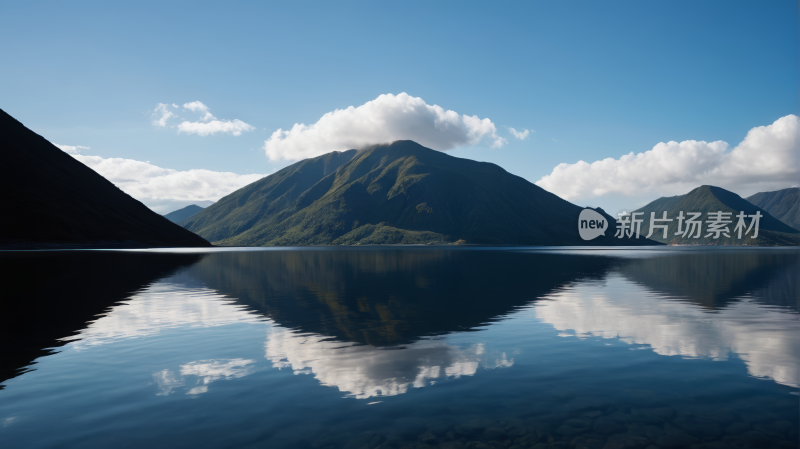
[(197, 106), (164, 189), (161, 114), (383, 120), (235, 127), (521, 135), (767, 159), (71, 149), (207, 124)]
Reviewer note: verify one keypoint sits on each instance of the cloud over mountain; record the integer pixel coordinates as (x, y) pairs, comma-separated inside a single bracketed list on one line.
[(383, 120), (767, 159), (164, 189), (206, 125)]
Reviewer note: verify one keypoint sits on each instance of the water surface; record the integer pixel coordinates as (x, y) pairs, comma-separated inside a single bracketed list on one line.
[(401, 348)]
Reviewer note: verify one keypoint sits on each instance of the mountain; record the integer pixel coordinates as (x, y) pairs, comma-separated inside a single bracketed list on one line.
[(782, 204), (52, 200), (705, 199), (183, 214), (398, 193)]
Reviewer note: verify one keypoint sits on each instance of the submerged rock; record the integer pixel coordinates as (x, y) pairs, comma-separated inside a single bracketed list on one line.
[(493, 433), (579, 423), (452, 445), (366, 440), (737, 428), (675, 441), (750, 438), (626, 441), (717, 445), (606, 426), (428, 438), (409, 428)]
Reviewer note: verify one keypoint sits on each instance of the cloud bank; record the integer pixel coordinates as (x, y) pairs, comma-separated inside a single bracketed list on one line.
[(164, 189), (206, 125), (767, 159), (383, 120)]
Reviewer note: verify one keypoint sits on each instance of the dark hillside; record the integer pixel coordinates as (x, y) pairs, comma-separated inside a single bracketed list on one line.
[(52, 200), (782, 204)]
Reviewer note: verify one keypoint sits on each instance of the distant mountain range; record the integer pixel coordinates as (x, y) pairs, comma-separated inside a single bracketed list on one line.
[(705, 199), (52, 200), (782, 204), (398, 193), (183, 214)]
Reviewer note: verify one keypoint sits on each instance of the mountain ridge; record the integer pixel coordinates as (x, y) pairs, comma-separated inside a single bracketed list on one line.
[(783, 204), (397, 193), (705, 199), (183, 213), (56, 201)]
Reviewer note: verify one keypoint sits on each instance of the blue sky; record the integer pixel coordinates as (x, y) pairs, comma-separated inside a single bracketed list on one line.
[(594, 80)]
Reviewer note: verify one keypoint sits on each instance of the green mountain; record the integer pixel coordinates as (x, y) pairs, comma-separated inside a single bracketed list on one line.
[(782, 204), (706, 199), (398, 193), (183, 214), (52, 200)]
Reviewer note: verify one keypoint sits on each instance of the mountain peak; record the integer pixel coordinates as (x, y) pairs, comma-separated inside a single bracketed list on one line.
[(783, 204), (183, 213), (707, 199), (399, 192)]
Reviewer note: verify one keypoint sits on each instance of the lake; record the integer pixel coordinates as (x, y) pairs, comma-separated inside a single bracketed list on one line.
[(401, 347)]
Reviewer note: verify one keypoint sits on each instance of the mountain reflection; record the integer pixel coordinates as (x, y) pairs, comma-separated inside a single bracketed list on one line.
[(373, 322), (753, 296), (385, 297), (49, 296), (361, 320), (715, 278)]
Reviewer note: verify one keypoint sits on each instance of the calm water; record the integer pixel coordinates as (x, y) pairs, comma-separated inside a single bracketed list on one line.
[(401, 348)]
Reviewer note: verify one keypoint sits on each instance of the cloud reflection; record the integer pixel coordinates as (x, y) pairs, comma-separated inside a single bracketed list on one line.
[(160, 307), (766, 339), (206, 371), (364, 371)]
